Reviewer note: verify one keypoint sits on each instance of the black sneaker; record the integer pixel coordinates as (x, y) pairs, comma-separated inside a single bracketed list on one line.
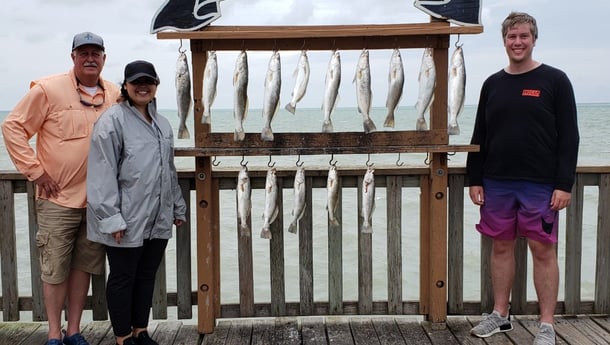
[(128, 341), (144, 339)]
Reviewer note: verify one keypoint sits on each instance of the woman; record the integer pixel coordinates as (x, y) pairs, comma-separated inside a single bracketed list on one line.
[(133, 198)]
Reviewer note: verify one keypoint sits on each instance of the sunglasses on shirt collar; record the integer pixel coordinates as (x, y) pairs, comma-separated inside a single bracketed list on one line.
[(89, 104)]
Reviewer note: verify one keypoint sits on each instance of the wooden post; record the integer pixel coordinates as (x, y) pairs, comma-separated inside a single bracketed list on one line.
[(438, 186), (208, 276)]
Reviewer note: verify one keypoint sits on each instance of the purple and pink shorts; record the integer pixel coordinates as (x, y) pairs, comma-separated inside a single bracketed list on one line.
[(518, 208)]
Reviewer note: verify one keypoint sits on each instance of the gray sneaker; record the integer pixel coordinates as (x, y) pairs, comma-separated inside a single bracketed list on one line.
[(491, 324), (546, 335)]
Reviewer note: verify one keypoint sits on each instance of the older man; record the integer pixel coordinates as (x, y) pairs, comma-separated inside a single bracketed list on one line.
[(60, 110)]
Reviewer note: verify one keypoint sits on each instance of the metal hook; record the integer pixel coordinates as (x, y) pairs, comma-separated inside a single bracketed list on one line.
[(458, 41), (214, 162), (398, 162), (330, 162), (269, 163), (368, 160), (180, 48), (427, 160), (299, 160), (242, 161)]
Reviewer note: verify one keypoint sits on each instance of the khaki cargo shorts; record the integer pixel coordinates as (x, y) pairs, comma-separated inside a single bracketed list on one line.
[(62, 243)]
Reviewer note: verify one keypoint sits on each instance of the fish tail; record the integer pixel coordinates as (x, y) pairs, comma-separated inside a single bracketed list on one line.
[(267, 134), (244, 230), (327, 126), (292, 227), (333, 220), (369, 126), (206, 118), (183, 132), (389, 120), (266, 233), (367, 228), (454, 129), (290, 107), (239, 135), (421, 124)]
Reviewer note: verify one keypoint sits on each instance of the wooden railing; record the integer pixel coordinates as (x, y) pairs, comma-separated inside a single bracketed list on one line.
[(394, 181)]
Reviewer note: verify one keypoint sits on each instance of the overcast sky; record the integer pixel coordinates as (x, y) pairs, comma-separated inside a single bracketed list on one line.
[(36, 40)]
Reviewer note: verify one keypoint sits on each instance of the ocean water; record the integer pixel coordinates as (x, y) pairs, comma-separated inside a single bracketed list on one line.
[(594, 151)]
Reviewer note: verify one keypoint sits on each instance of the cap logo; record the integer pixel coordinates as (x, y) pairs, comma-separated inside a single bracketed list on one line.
[(88, 37)]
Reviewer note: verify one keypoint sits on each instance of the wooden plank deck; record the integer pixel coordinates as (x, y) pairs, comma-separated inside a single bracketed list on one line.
[(335, 330)]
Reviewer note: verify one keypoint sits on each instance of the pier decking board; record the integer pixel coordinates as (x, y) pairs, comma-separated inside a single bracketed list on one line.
[(331, 330)]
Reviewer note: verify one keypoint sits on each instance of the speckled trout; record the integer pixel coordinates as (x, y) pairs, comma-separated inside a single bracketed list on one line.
[(183, 94), (240, 95), (368, 200), (457, 89), (298, 208), (271, 97), (210, 78), (271, 208)]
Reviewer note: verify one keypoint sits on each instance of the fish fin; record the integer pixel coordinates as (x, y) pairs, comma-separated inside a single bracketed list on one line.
[(244, 230), (389, 120), (334, 221), (327, 126), (267, 134), (421, 124), (183, 133), (454, 129), (266, 233), (369, 126), (290, 107), (239, 135)]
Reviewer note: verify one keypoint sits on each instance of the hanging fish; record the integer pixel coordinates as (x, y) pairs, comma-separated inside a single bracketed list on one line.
[(271, 97), (244, 204), (240, 95), (362, 78), (331, 90), (183, 94), (300, 86), (457, 89), (210, 78), (427, 81), (332, 191), (271, 208), (368, 200), (298, 209), (396, 79)]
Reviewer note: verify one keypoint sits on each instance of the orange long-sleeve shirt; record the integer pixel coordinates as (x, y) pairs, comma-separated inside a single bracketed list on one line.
[(54, 110)]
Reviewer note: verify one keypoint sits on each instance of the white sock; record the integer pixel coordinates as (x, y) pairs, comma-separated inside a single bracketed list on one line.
[(500, 315), (547, 324)]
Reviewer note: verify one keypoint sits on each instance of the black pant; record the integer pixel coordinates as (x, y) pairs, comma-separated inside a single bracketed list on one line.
[(131, 282)]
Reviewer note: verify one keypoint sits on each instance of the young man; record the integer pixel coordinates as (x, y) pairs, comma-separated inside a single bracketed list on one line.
[(522, 177), (60, 110)]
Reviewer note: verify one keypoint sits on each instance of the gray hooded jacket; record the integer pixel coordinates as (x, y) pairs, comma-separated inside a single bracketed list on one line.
[(132, 183)]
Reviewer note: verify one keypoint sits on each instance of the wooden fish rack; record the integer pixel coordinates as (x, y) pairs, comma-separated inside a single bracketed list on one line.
[(435, 142)]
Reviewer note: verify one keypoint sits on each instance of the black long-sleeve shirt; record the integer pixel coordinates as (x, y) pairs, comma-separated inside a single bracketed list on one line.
[(527, 129)]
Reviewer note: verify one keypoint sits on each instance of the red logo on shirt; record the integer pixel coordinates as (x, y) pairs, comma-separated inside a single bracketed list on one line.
[(531, 93)]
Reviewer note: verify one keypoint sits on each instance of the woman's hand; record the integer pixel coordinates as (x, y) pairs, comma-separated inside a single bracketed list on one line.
[(118, 236)]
